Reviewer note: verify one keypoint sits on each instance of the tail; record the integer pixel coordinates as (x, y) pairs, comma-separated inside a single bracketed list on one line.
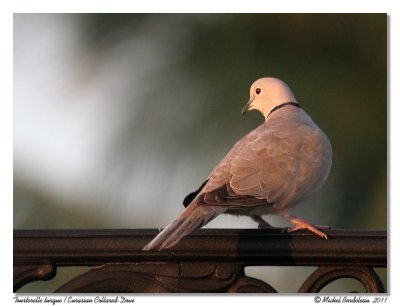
[(192, 218)]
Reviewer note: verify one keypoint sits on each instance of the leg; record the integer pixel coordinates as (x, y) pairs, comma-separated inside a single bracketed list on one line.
[(261, 222), (299, 224)]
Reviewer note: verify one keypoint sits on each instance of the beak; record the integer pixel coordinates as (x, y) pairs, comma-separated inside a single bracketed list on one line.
[(246, 108)]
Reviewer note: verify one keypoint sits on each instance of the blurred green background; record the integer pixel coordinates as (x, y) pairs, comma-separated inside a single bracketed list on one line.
[(118, 116)]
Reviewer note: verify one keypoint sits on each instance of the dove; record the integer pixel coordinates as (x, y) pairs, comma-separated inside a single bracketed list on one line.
[(268, 171)]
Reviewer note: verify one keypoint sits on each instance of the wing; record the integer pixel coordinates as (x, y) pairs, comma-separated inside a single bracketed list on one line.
[(261, 170), (220, 174), (266, 168)]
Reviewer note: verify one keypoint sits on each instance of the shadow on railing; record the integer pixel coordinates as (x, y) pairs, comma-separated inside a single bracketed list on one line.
[(210, 260)]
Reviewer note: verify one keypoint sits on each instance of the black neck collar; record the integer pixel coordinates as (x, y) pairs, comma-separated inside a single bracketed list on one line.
[(282, 105)]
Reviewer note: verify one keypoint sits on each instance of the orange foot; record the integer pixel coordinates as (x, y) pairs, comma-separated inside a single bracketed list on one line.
[(299, 224)]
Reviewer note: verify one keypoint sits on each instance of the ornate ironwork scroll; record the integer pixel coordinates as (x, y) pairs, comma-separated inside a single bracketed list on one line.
[(24, 274), (164, 277), (325, 275)]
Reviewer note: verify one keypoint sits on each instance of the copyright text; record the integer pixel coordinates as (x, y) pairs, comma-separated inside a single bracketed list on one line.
[(349, 300)]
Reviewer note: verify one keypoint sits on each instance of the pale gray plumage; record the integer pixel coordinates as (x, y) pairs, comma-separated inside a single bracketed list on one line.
[(268, 171)]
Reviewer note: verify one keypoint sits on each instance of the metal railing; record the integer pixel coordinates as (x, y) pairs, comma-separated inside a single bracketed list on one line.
[(209, 260)]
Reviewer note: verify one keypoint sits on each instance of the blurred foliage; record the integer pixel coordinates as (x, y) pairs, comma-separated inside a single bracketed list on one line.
[(175, 85)]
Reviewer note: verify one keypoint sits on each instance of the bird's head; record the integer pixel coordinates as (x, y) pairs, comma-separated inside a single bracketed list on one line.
[(267, 93)]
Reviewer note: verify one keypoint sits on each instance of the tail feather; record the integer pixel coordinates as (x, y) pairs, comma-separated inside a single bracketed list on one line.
[(192, 218)]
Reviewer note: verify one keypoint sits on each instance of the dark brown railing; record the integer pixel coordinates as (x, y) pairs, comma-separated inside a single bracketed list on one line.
[(210, 260)]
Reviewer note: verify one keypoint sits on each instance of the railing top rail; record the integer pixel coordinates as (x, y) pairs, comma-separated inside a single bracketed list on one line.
[(244, 246)]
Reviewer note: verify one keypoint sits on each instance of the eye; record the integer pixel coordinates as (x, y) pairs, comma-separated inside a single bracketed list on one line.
[(258, 91)]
